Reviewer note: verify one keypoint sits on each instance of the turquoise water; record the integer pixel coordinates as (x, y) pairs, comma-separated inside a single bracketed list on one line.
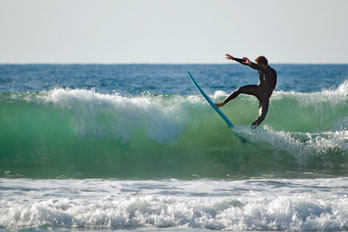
[(136, 147)]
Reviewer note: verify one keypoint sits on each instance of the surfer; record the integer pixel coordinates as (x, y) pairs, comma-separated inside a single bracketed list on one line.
[(262, 91)]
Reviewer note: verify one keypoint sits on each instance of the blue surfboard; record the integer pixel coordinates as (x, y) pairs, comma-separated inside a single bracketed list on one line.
[(212, 104)]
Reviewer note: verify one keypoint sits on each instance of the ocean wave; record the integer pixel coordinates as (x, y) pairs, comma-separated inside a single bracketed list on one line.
[(77, 132)]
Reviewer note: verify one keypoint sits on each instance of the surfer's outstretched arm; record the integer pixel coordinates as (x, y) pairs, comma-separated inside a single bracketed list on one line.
[(239, 60), (246, 61)]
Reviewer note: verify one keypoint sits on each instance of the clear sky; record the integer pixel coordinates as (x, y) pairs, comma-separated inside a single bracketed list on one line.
[(172, 31)]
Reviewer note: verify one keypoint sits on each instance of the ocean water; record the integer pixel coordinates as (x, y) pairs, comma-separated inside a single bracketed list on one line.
[(135, 147)]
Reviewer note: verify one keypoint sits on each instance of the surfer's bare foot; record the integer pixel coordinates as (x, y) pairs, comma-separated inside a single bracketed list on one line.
[(220, 104)]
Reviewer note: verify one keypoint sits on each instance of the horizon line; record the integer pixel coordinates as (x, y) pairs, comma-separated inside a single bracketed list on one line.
[(164, 63)]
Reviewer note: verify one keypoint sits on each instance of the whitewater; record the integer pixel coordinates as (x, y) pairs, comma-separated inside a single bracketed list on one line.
[(158, 205), (135, 147)]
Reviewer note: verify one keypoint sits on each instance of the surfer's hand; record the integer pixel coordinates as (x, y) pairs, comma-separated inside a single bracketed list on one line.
[(229, 57), (220, 104), (246, 61)]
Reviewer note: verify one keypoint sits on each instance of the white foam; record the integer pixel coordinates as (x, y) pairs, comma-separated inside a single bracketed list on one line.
[(219, 94), (260, 204), (335, 97), (300, 145), (163, 120)]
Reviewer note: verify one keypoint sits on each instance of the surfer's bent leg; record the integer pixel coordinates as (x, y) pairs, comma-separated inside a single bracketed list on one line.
[(263, 109), (248, 89)]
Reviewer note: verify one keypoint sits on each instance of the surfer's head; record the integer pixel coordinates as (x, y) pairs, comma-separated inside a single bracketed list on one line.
[(262, 60)]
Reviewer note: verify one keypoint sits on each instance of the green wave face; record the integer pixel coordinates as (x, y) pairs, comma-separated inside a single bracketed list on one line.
[(84, 134)]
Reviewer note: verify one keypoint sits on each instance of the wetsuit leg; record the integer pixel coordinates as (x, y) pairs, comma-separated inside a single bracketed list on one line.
[(260, 95), (248, 89), (263, 109)]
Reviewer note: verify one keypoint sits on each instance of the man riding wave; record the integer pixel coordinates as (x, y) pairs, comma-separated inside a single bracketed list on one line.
[(262, 91)]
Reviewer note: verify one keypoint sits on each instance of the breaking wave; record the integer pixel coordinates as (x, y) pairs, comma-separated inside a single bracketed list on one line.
[(83, 133)]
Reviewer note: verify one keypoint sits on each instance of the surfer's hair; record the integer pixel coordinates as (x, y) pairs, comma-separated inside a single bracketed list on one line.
[(261, 60)]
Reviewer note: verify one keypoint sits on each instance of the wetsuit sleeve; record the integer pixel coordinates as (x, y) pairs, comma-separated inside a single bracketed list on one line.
[(257, 67), (252, 65), (239, 60)]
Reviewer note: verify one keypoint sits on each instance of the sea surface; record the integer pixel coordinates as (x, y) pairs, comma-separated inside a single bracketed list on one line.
[(134, 147)]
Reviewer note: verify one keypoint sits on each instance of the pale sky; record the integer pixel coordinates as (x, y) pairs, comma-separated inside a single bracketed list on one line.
[(172, 31)]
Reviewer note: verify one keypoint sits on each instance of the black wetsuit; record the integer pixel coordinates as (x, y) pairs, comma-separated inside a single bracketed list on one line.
[(263, 90)]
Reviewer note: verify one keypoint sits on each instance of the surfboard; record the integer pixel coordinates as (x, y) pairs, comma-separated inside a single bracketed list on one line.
[(217, 110)]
